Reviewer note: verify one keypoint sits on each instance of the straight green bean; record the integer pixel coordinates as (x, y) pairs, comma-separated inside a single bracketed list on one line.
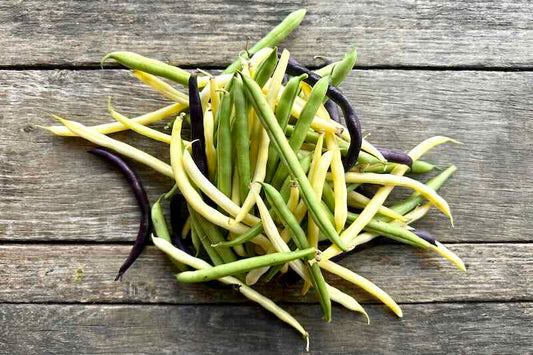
[(149, 65), (343, 68), (215, 257), (276, 35), (243, 265), (277, 137), (266, 68), (243, 238), (224, 146), (283, 113), (242, 140), (302, 126), (215, 236)]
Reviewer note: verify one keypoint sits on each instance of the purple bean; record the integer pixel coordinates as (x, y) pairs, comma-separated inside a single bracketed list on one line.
[(428, 237), (145, 226), (197, 125), (394, 156), (350, 117), (333, 110), (178, 215)]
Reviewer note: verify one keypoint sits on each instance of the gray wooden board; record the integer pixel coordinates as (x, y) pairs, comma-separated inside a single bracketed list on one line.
[(406, 33), (53, 190), (470, 328), (85, 273)]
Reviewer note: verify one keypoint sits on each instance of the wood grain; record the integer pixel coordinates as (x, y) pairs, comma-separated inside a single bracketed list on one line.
[(472, 328), (406, 33), (85, 273), (53, 190)]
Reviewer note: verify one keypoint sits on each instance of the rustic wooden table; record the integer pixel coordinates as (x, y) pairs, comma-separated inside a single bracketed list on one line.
[(461, 69)]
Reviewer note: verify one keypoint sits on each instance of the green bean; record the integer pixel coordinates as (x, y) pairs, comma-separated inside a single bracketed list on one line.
[(276, 35), (266, 68), (302, 126), (240, 134), (276, 200), (195, 238), (391, 231), (352, 187), (283, 113), (243, 265), (149, 65), (274, 270), (158, 221), (224, 147), (328, 196), (250, 249), (243, 238), (204, 240), (305, 163), (215, 236), (343, 68), (257, 229), (277, 137), (326, 70), (419, 166)]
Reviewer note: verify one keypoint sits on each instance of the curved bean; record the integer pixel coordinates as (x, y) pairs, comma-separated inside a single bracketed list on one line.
[(119, 147), (343, 68), (161, 229), (162, 87), (248, 292), (361, 282), (394, 180), (113, 127), (145, 225), (381, 195), (137, 127), (397, 157), (350, 117)]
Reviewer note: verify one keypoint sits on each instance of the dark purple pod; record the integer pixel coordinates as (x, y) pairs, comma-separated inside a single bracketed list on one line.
[(178, 215), (333, 110), (350, 117), (197, 125), (145, 225), (394, 156), (428, 237)]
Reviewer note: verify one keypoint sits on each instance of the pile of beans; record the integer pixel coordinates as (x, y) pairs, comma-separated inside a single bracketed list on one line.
[(270, 179)]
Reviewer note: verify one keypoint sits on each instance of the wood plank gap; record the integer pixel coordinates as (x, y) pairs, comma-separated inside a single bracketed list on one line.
[(96, 66)]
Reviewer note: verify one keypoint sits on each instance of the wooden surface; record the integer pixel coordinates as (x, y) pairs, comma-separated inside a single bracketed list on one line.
[(67, 219)]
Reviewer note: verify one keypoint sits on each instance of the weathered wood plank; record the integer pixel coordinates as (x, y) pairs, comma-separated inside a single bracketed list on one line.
[(471, 328), (421, 33), (53, 190), (68, 273)]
